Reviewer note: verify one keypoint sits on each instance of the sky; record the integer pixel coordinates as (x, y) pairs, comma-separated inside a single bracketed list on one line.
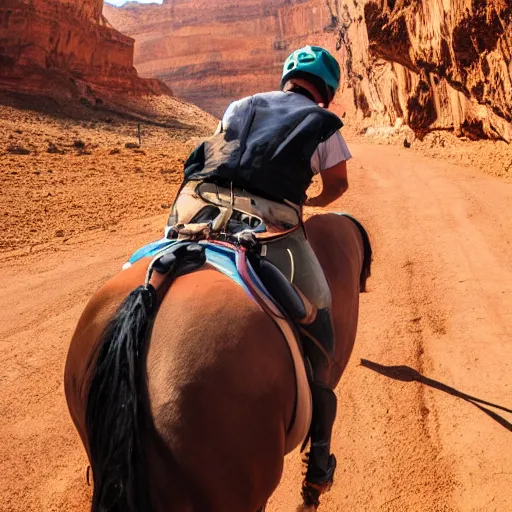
[(121, 2)]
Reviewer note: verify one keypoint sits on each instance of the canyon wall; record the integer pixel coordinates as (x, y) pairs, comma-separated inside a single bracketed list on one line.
[(215, 51), (437, 64), (429, 64), (66, 48)]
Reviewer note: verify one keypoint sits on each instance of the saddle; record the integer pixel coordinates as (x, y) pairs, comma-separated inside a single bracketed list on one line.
[(202, 208), (271, 291)]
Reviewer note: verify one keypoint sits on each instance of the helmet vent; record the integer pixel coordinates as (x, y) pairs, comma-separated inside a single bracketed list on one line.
[(306, 57)]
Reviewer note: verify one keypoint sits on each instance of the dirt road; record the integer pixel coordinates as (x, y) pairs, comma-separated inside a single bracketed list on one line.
[(424, 421)]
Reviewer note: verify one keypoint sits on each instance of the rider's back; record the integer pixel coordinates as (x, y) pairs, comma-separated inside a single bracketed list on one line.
[(265, 146)]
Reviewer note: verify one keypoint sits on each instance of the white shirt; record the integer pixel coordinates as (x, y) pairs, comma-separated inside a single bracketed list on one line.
[(328, 154)]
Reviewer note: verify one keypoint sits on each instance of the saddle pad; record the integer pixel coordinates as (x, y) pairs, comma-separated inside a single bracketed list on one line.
[(224, 259)]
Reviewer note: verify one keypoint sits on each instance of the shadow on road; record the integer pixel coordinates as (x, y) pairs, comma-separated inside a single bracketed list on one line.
[(407, 374)]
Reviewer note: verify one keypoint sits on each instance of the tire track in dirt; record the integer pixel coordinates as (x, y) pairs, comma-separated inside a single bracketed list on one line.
[(472, 247), (442, 240), (420, 314)]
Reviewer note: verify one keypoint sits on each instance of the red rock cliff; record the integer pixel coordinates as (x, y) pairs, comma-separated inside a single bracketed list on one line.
[(432, 64), (66, 47), (437, 64), (215, 51)]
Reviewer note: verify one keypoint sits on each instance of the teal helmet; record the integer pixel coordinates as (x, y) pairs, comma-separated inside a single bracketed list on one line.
[(315, 62)]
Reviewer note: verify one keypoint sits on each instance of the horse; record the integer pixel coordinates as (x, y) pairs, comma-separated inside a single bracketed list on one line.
[(198, 386)]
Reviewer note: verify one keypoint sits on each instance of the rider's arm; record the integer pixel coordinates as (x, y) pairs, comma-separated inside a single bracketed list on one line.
[(330, 161), (334, 185)]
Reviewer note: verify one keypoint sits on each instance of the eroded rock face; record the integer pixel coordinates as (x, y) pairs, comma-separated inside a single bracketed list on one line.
[(212, 52), (66, 48), (438, 64), (431, 64)]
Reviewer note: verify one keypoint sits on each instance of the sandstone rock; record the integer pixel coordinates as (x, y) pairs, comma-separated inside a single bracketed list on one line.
[(212, 52), (439, 65), (436, 64), (66, 48), (18, 150), (54, 149)]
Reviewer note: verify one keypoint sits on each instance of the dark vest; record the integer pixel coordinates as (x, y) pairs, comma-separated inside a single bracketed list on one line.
[(266, 147)]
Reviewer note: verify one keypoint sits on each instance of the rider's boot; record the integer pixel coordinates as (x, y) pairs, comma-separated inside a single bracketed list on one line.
[(321, 463)]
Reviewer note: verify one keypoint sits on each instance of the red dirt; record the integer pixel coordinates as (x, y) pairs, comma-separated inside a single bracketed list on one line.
[(439, 302), (79, 175)]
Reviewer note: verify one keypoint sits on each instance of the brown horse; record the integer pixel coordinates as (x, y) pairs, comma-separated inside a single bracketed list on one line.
[(197, 401)]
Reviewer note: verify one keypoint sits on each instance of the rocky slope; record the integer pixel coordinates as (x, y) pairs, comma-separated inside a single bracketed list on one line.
[(67, 170), (66, 48), (431, 64)]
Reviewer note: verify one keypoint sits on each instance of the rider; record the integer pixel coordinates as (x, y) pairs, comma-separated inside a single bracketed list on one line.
[(265, 151)]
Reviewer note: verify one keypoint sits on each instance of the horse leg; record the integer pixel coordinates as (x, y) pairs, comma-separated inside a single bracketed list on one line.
[(308, 276)]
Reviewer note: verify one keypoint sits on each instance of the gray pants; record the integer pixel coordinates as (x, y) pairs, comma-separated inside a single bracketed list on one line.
[(294, 257)]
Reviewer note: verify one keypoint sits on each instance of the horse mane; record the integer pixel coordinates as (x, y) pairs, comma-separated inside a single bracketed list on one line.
[(366, 269)]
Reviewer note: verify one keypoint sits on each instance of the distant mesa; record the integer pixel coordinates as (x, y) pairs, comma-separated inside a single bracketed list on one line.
[(213, 52)]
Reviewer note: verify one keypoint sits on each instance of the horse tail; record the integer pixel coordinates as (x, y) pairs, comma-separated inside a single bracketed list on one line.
[(117, 417), (116, 403), (366, 269)]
